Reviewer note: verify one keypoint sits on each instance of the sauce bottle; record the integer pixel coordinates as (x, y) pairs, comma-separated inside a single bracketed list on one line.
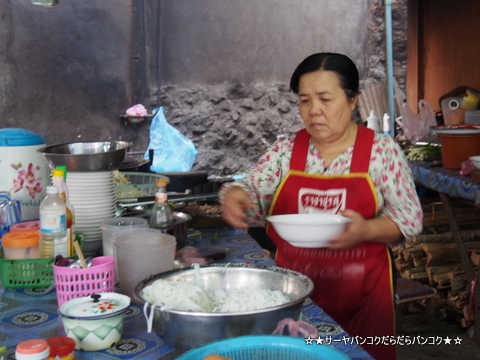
[(162, 217)]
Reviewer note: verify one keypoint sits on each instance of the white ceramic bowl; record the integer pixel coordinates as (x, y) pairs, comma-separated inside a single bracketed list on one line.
[(95, 324), (475, 161), (308, 230)]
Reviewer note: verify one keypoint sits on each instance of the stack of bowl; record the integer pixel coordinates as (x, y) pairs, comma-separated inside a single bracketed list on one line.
[(91, 189), (92, 195)]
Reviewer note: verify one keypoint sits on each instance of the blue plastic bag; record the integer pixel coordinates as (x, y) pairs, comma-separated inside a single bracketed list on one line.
[(172, 151)]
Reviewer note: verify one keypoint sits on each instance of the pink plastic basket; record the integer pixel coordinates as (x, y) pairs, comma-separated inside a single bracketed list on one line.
[(72, 283)]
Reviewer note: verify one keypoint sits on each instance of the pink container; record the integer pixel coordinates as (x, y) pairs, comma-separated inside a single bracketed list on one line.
[(26, 225), (72, 283)]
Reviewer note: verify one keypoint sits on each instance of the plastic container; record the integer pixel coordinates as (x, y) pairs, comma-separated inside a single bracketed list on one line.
[(452, 113), (35, 349), (26, 225), (21, 244), (472, 117), (72, 283), (141, 253), (61, 348), (458, 148), (109, 226), (29, 273), (19, 147), (265, 347)]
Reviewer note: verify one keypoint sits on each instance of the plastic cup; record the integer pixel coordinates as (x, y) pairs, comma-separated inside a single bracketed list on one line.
[(141, 253), (109, 226)]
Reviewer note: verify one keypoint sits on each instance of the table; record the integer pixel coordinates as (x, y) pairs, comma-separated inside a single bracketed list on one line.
[(449, 183), (27, 313)]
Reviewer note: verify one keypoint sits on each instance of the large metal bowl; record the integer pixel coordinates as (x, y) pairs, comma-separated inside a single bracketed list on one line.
[(86, 156), (186, 330)]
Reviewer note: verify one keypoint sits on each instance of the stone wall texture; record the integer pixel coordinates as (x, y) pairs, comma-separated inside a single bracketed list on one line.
[(232, 124)]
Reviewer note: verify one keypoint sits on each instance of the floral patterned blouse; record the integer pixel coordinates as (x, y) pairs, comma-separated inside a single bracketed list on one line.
[(388, 169)]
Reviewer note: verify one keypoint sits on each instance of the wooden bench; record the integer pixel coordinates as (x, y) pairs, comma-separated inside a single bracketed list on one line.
[(410, 292)]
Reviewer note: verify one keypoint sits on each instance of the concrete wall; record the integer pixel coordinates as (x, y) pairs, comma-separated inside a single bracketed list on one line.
[(251, 41), (68, 72)]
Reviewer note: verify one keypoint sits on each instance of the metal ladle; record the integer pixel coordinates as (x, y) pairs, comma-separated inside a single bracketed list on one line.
[(78, 263)]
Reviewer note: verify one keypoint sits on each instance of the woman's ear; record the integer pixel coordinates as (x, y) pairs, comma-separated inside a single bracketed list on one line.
[(353, 102)]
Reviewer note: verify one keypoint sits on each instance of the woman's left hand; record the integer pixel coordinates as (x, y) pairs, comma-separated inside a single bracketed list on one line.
[(354, 232)]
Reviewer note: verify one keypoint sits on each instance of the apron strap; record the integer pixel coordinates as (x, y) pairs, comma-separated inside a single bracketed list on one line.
[(361, 155), (298, 160), (363, 150)]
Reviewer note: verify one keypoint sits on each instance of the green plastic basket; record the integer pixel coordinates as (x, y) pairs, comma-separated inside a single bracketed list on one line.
[(142, 184), (27, 273), (265, 347)]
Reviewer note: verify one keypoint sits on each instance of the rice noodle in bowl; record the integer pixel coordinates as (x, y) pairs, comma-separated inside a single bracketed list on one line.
[(240, 299)]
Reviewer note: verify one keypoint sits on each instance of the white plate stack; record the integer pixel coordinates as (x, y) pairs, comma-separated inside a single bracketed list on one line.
[(92, 195)]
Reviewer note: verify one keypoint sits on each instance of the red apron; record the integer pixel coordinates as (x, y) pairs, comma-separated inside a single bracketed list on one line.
[(354, 286)]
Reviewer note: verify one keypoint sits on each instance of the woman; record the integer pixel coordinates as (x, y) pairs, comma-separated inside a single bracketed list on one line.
[(361, 174)]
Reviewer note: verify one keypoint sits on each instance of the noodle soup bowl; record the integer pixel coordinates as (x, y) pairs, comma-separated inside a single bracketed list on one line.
[(190, 329)]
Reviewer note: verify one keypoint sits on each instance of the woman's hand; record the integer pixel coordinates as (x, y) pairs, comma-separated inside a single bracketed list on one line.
[(353, 234), (235, 202), (380, 229)]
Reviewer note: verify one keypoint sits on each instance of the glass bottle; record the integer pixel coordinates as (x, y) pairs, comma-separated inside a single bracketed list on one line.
[(162, 217), (53, 225), (59, 175)]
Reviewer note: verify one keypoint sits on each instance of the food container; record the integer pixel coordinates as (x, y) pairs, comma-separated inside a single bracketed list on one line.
[(35, 349), (61, 348), (21, 244), (26, 225), (452, 113), (458, 148), (188, 329), (109, 226), (24, 171), (308, 230), (141, 253), (472, 117), (265, 347), (95, 322)]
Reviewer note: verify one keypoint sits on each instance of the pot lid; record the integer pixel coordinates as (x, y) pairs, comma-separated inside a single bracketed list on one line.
[(19, 137), (95, 306)]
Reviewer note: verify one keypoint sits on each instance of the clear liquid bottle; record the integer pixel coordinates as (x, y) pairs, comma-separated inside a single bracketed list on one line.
[(162, 217), (53, 225), (59, 175)]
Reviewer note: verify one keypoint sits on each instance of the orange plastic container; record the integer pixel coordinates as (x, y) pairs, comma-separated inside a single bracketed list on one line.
[(458, 148), (21, 244)]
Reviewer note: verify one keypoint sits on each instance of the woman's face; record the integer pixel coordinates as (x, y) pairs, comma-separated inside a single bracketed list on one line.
[(324, 107)]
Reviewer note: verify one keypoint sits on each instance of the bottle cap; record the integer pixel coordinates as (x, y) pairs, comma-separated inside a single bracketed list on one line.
[(58, 172), (162, 181), (64, 168), (52, 189)]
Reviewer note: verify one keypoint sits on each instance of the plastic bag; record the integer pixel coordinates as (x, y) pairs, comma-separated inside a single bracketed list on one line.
[(172, 151), (418, 126)]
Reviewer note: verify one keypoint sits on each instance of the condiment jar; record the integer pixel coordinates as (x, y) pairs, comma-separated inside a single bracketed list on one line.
[(21, 244), (61, 348), (32, 350)]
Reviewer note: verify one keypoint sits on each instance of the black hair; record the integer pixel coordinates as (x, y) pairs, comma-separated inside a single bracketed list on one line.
[(340, 64)]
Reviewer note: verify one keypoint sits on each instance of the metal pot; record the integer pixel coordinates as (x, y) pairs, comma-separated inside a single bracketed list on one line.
[(185, 330)]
